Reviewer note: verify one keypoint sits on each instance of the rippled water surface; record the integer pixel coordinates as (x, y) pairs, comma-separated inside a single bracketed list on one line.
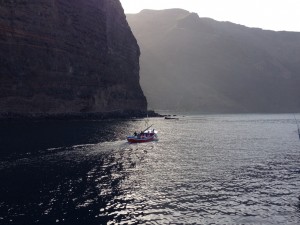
[(210, 169)]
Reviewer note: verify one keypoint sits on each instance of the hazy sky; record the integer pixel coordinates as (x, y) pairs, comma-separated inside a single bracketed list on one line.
[(266, 14)]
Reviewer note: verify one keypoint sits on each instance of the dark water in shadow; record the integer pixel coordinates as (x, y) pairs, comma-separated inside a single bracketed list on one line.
[(222, 169), (25, 138)]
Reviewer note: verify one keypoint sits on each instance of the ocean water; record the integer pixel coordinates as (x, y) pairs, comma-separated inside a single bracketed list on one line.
[(205, 169)]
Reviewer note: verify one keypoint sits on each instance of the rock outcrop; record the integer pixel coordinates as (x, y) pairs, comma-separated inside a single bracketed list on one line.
[(67, 56), (198, 64)]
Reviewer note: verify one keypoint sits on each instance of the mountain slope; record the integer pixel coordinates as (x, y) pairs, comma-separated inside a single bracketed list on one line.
[(197, 64)]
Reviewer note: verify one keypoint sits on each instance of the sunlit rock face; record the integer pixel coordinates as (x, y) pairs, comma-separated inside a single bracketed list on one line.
[(67, 56), (198, 64)]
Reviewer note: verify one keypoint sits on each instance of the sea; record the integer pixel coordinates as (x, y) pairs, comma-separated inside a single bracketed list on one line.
[(204, 169)]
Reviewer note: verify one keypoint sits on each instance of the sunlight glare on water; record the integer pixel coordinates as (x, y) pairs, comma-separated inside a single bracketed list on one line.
[(209, 169)]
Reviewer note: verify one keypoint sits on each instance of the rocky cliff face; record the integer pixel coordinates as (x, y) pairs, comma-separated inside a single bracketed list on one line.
[(199, 64), (67, 56)]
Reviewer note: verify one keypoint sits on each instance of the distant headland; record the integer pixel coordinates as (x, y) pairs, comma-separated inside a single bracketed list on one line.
[(195, 64)]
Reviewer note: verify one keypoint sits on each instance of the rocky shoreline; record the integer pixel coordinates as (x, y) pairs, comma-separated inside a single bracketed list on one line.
[(121, 114)]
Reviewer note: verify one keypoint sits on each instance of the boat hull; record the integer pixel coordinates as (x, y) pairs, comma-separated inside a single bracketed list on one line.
[(135, 139)]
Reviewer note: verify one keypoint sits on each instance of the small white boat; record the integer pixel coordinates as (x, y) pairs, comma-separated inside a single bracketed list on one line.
[(145, 136)]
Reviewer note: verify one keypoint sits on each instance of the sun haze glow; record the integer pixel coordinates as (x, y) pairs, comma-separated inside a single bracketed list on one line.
[(266, 14)]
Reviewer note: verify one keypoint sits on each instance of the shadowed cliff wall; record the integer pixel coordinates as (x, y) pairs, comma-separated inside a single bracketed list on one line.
[(67, 56)]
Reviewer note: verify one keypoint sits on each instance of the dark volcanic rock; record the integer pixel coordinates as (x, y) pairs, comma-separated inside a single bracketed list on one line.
[(67, 56), (199, 64)]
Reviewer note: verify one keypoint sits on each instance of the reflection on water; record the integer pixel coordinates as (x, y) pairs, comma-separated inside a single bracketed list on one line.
[(239, 169), (77, 185)]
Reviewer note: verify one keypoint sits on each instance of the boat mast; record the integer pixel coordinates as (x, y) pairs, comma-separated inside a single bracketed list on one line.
[(147, 121), (297, 126), (147, 128)]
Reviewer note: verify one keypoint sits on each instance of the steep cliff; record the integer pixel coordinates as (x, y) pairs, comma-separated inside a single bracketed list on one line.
[(67, 56), (199, 64)]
